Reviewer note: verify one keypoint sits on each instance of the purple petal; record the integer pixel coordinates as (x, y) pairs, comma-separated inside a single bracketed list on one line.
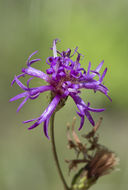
[(40, 89), (95, 73), (88, 85), (103, 75), (98, 68), (75, 50), (102, 89), (82, 120), (31, 56), (89, 67), (33, 61), (28, 81), (21, 75), (33, 126), (54, 48), (50, 109), (46, 122), (88, 115), (30, 120), (20, 83), (84, 109), (21, 105), (62, 74), (109, 97), (47, 61), (35, 92), (78, 58), (36, 73), (49, 71), (95, 110), (22, 95), (35, 96), (47, 113)]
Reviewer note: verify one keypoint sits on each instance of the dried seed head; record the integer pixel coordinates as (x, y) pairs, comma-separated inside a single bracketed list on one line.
[(103, 162), (97, 159)]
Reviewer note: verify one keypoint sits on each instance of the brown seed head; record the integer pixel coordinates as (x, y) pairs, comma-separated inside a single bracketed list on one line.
[(103, 162)]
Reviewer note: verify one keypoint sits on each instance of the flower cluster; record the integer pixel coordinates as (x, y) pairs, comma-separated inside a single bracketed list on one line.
[(65, 78)]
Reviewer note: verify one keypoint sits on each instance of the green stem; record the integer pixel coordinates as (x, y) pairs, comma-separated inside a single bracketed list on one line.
[(55, 153)]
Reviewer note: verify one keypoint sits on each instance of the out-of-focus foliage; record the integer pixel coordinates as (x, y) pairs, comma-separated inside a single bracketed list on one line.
[(100, 30)]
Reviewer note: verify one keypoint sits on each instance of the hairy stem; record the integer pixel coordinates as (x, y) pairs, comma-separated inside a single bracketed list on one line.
[(55, 152)]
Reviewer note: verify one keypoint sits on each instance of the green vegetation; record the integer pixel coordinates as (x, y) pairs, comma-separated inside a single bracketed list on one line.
[(100, 30)]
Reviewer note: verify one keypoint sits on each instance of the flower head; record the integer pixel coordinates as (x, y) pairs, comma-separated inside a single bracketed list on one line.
[(65, 78)]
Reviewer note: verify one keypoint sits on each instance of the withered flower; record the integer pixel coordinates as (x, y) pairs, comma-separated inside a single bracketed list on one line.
[(97, 159)]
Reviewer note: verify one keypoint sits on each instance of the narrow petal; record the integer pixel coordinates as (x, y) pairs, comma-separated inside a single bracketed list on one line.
[(35, 96), (40, 89), (95, 72), (99, 66), (82, 120), (54, 48), (79, 102), (22, 103), (88, 115), (89, 67), (96, 86), (102, 89), (30, 120), (50, 109), (84, 109), (18, 76), (95, 110), (36, 73), (98, 69), (109, 98), (28, 81), (22, 95), (20, 83), (46, 122), (30, 57), (33, 61), (35, 92), (88, 85), (46, 114), (33, 126), (75, 50), (103, 75)]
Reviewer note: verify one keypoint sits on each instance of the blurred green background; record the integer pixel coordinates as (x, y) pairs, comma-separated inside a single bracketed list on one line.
[(100, 30)]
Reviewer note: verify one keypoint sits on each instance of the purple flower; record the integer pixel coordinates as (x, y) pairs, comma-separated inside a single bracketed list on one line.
[(65, 78)]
